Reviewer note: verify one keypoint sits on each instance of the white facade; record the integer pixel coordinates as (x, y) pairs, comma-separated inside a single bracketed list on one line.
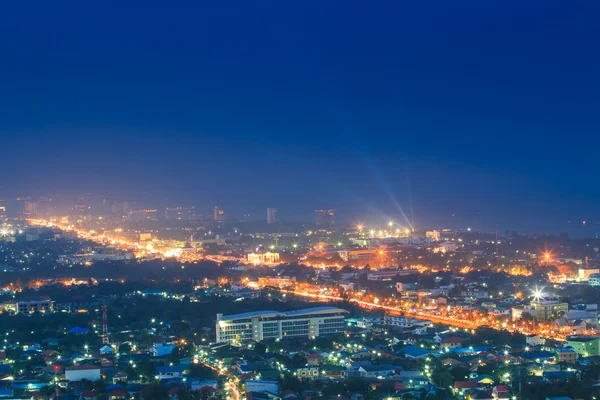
[(403, 322), (594, 280), (260, 325), (80, 372), (401, 287), (253, 385), (263, 258), (445, 247), (535, 340)]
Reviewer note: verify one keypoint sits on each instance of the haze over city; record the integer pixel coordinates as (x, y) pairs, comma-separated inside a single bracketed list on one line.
[(484, 111), (315, 200)]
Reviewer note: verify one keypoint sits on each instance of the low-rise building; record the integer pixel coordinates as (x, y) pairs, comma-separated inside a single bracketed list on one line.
[(401, 287), (376, 371), (549, 309), (30, 306), (256, 385), (161, 349), (594, 279), (453, 342), (314, 359), (77, 373), (280, 281), (585, 346), (307, 373), (566, 355), (389, 274)]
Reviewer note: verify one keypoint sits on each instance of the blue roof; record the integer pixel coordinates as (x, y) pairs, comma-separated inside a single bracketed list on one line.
[(415, 351), (568, 349), (558, 374), (78, 330), (171, 368), (475, 349)]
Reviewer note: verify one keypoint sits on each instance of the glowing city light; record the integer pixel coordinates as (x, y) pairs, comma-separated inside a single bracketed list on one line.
[(538, 293)]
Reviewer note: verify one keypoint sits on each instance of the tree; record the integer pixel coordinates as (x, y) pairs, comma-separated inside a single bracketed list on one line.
[(298, 361), (442, 377), (460, 373), (260, 348), (155, 392)]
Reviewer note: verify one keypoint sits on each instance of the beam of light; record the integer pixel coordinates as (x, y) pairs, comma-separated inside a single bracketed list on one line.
[(362, 150), (342, 117), (410, 199)]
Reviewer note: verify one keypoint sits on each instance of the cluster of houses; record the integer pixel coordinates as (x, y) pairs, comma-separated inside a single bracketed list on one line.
[(51, 372)]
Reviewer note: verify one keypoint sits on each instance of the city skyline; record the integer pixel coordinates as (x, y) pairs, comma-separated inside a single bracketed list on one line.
[(265, 200), (28, 206), (303, 107)]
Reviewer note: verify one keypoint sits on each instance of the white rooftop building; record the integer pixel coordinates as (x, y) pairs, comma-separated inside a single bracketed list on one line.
[(260, 325)]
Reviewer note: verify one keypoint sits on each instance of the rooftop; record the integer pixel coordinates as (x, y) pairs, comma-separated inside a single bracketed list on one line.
[(582, 338), (82, 367), (283, 314)]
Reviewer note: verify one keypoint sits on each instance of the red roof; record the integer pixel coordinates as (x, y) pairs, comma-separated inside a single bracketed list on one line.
[(501, 388), (117, 393), (89, 394), (465, 384), (207, 389)]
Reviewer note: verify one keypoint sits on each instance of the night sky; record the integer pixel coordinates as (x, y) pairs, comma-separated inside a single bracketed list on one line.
[(488, 110)]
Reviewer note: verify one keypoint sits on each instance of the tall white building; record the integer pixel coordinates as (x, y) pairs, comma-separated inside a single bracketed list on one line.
[(272, 215), (260, 325)]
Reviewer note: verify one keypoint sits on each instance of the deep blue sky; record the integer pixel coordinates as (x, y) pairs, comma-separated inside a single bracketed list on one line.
[(485, 109)]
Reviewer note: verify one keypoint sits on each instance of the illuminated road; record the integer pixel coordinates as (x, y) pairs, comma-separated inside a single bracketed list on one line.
[(137, 248), (466, 321), (232, 380), (370, 305)]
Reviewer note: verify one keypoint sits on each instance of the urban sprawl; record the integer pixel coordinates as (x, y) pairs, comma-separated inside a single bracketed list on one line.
[(109, 300)]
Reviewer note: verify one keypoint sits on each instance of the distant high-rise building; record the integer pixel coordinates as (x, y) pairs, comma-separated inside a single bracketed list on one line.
[(30, 208), (143, 215), (45, 207), (218, 214), (324, 217), (272, 215), (180, 213)]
